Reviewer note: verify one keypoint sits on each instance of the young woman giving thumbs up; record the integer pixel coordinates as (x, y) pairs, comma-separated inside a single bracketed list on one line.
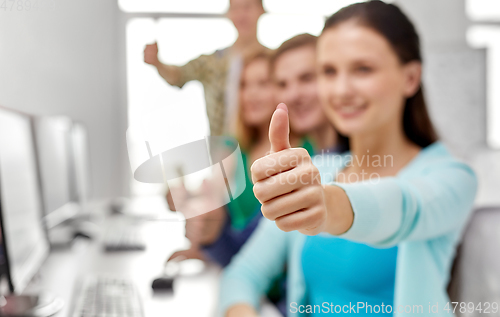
[(373, 231)]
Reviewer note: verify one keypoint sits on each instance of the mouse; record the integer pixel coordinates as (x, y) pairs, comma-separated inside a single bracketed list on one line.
[(117, 206), (163, 284), (85, 229)]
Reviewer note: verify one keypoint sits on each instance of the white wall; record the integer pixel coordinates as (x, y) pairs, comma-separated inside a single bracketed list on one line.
[(454, 74), (440, 23), (65, 62), (455, 84)]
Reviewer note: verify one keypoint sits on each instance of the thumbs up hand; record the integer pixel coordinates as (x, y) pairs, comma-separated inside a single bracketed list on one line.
[(287, 183)]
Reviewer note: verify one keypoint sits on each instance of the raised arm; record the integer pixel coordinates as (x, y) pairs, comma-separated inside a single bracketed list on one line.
[(171, 73), (394, 210), (288, 185)]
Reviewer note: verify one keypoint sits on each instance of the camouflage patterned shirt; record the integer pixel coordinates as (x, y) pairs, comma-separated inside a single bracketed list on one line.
[(212, 71)]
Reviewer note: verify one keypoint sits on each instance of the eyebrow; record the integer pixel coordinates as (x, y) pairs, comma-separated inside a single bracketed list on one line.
[(307, 75), (278, 81)]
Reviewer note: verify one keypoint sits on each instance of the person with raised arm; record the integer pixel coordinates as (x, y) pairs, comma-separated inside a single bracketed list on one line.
[(375, 230), (218, 72)]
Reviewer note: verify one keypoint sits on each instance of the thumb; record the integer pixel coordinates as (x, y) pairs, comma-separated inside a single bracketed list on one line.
[(279, 129)]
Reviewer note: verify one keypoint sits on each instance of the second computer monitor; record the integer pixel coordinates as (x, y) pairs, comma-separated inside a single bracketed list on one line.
[(80, 164), (53, 136)]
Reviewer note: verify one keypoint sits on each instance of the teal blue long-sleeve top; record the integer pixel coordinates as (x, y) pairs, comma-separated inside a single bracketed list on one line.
[(422, 211)]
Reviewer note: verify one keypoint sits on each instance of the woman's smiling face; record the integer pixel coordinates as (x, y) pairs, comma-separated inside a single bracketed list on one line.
[(362, 83)]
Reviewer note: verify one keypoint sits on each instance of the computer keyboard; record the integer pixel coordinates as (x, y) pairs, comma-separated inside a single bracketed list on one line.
[(124, 239), (104, 296)]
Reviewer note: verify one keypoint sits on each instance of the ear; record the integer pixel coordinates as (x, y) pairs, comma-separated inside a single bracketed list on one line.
[(413, 77)]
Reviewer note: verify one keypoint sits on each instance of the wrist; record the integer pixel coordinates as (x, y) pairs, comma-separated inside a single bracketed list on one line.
[(157, 63), (339, 213)]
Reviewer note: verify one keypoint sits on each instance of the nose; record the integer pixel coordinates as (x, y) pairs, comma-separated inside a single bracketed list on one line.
[(342, 87), (292, 94)]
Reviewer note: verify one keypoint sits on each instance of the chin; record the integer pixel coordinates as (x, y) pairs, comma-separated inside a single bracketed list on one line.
[(352, 128), (298, 126), (350, 123), (256, 120), (348, 127), (252, 123), (346, 130)]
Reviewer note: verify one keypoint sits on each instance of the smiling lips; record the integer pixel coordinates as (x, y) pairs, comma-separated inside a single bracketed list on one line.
[(349, 112)]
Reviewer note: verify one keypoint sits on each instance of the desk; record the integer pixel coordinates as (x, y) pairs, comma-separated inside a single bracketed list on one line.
[(193, 295), (63, 268)]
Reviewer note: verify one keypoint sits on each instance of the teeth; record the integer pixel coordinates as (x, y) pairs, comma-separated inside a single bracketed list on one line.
[(350, 109)]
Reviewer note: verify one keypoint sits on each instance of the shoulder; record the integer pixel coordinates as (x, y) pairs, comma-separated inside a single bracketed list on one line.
[(211, 57), (221, 53), (435, 157), (436, 169)]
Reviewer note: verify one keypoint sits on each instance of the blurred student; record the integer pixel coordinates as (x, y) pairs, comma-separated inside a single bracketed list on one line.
[(381, 232), (219, 71)]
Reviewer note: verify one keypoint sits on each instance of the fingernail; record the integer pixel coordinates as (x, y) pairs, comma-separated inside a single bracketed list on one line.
[(282, 106)]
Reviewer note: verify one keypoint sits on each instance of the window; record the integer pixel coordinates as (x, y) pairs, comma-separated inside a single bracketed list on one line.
[(483, 10), (174, 115), (174, 6)]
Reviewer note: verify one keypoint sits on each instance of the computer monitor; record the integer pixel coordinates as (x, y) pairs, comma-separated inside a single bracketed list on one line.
[(24, 240), (80, 164), (53, 140)]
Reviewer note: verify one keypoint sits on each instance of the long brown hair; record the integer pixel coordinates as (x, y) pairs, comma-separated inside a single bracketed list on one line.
[(389, 21)]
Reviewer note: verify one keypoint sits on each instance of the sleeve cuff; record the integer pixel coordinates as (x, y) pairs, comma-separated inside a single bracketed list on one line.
[(371, 203)]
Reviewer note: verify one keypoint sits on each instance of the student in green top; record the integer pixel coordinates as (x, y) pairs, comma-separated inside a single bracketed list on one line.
[(256, 106), (257, 96)]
